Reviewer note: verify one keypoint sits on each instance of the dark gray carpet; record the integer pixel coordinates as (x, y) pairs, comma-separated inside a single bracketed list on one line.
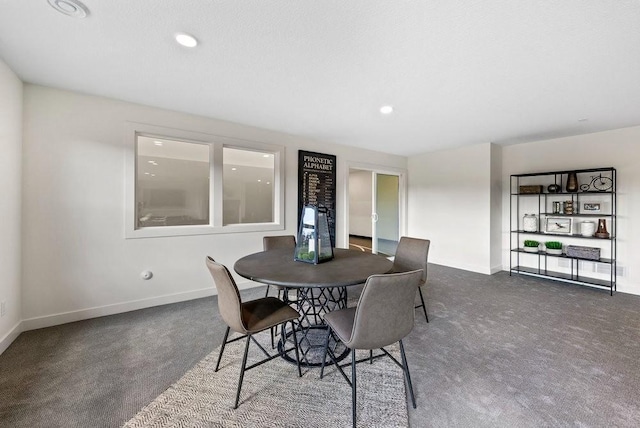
[(499, 351)]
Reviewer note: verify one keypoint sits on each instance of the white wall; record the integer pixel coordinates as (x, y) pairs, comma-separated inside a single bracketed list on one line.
[(360, 196), (450, 204), (496, 208), (618, 148), (77, 263), (10, 203)]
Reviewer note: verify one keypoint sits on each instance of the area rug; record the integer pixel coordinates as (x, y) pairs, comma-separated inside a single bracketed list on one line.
[(274, 396)]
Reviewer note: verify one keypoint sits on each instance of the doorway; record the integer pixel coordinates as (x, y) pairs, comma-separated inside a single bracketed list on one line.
[(375, 210)]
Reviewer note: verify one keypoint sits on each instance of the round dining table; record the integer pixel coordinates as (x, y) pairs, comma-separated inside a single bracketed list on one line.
[(320, 288)]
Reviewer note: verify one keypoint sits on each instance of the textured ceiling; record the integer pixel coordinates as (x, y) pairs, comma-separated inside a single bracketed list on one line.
[(456, 72)]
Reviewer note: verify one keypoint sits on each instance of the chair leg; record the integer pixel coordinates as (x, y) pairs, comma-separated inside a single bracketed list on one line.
[(353, 386), (295, 344), (224, 343), (266, 294), (326, 351), (405, 368), (244, 364), (272, 333), (371, 356), (424, 307)]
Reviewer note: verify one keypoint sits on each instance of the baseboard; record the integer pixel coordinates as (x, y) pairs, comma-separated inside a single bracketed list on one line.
[(8, 338), (463, 266), (496, 269), (117, 308)]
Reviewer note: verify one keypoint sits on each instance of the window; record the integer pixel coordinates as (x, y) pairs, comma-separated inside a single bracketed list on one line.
[(172, 183), (248, 186), (185, 183)]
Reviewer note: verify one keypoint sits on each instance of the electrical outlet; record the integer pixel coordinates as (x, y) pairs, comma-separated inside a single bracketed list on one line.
[(3, 308)]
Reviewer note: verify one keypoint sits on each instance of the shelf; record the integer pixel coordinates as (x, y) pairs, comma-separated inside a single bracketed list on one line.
[(577, 215), (538, 204), (566, 235), (564, 256), (577, 171), (582, 192), (544, 273)]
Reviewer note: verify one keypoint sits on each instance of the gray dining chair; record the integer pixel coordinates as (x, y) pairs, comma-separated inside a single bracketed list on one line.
[(412, 254), (384, 315), (273, 243), (249, 318)]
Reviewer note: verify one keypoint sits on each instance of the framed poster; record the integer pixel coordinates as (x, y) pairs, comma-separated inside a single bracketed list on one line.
[(317, 185)]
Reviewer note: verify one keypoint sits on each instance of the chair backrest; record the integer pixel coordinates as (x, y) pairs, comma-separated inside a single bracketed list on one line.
[(412, 254), (229, 302), (275, 242), (385, 311)]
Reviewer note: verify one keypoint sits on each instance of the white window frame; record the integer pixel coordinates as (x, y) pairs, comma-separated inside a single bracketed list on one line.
[(216, 144)]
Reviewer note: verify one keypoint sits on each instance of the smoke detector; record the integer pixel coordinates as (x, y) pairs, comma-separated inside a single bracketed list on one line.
[(71, 8)]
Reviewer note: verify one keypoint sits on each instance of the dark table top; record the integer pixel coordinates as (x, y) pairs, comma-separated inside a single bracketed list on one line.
[(277, 267)]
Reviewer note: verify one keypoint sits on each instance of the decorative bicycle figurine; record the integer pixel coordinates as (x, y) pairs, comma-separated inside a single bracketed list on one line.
[(599, 183)]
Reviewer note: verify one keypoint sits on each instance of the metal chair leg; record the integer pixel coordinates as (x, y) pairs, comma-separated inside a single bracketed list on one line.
[(244, 364), (272, 333), (353, 386), (370, 356), (295, 344), (326, 351), (424, 307), (405, 368), (224, 343)]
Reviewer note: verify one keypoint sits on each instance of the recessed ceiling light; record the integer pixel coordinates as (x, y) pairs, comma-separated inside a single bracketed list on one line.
[(583, 119), (265, 156), (386, 109), (186, 40), (71, 8), (233, 169), (259, 181), (157, 143)]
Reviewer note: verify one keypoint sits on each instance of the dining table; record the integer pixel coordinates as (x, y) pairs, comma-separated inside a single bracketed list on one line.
[(320, 288)]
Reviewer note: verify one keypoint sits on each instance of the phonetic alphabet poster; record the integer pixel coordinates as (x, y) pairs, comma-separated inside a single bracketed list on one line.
[(317, 185)]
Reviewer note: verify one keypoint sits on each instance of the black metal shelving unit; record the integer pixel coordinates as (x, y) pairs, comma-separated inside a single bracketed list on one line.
[(537, 263)]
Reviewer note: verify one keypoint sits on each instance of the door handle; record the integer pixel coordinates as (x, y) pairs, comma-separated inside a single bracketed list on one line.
[(374, 217)]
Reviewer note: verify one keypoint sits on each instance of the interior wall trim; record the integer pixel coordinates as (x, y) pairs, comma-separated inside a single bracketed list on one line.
[(12, 335)]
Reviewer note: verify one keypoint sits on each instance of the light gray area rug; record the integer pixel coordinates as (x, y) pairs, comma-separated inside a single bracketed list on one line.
[(274, 396)]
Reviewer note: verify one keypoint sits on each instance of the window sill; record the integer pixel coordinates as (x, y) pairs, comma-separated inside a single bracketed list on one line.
[(165, 231)]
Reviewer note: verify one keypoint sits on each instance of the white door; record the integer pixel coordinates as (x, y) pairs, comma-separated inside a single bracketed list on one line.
[(385, 216)]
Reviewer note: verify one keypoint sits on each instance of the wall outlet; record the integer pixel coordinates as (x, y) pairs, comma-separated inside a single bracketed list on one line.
[(3, 308)]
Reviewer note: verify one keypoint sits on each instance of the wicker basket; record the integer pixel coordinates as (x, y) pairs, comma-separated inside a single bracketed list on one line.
[(589, 253)]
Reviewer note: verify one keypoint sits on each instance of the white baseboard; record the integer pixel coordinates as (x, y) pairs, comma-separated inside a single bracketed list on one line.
[(118, 308), (8, 338), (496, 269), (464, 266)]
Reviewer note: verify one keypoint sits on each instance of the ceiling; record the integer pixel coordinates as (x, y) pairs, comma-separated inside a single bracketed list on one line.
[(456, 72)]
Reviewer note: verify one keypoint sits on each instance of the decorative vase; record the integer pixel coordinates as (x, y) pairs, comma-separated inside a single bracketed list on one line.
[(567, 207), (588, 228), (572, 182), (602, 229), (556, 207), (531, 249), (530, 223), (553, 188), (554, 251)]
